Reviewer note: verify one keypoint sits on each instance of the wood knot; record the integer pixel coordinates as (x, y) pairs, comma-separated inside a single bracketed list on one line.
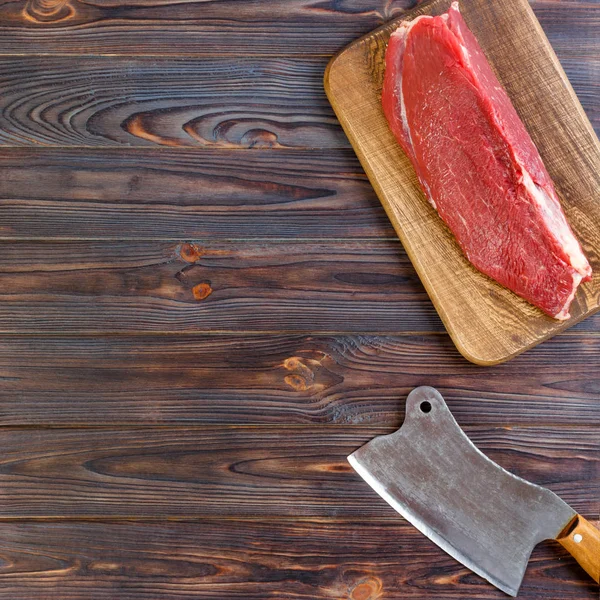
[(292, 363), (367, 589), (303, 377), (46, 11), (190, 252), (202, 290), (296, 381)]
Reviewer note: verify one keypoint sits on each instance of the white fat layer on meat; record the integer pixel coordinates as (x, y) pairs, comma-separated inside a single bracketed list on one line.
[(463, 48), (557, 224), (564, 312), (466, 55), (404, 31), (404, 118)]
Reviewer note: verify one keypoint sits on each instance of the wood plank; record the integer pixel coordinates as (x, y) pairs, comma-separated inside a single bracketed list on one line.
[(250, 471), (192, 27), (214, 102), (581, 75), (59, 287), (488, 323), (179, 193), (318, 559), (168, 286), (274, 379), (281, 27), (210, 103)]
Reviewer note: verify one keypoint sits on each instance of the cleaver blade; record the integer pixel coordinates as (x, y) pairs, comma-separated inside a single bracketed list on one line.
[(479, 513)]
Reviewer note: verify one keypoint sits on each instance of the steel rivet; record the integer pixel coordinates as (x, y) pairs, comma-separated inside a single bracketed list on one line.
[(577, 538)]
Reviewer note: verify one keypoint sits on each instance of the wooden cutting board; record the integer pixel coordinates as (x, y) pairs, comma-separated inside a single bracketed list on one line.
[(488, 323)]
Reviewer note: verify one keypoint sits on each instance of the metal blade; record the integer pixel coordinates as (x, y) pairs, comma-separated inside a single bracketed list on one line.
[(479, 513)]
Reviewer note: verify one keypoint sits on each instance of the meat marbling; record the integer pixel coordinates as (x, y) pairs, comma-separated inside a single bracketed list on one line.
[(476, 162)]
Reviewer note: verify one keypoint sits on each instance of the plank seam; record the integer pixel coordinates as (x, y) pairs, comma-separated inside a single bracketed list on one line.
[(314, 427)]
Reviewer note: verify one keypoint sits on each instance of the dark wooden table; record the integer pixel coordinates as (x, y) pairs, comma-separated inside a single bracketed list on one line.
[(204, 310)]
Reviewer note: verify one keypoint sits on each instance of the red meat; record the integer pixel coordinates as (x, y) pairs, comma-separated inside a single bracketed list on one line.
[(476, 162)]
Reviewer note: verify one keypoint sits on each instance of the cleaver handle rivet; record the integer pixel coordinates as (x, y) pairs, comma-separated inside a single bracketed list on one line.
[(582, 540)]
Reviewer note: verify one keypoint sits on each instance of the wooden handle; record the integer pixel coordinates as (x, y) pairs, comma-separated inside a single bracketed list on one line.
[(582, 540)]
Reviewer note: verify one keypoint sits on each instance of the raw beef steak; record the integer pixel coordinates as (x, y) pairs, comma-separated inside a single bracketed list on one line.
[(476, 162)]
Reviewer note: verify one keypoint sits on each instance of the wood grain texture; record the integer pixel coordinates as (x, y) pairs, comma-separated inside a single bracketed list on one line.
[(179, 193), (249, 471), (317, 559), (212, 102), (274, 379), (168, 27), (488, 323), (136, 286), (55, 287), (276, 28)]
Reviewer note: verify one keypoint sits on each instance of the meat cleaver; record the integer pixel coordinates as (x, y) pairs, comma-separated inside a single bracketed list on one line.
[(479, 513)]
